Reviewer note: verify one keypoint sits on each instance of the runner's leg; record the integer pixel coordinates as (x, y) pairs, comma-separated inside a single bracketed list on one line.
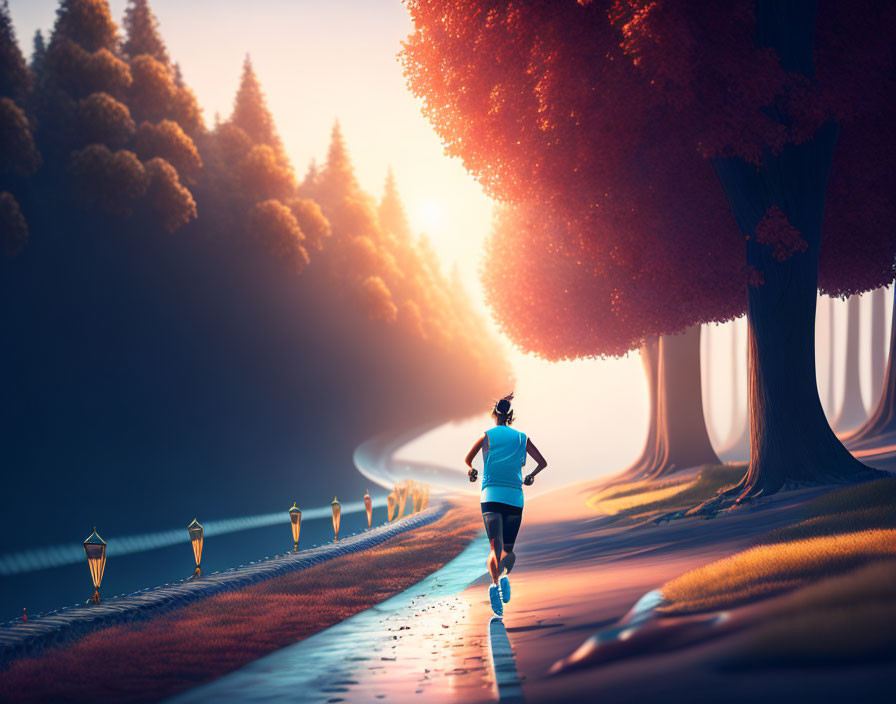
[(494, 527), (511, 529)]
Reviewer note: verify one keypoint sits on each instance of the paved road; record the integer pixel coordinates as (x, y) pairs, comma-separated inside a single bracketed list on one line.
[(420, 645)]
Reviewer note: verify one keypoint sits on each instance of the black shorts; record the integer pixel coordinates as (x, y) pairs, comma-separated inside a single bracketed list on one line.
[(502, 518)]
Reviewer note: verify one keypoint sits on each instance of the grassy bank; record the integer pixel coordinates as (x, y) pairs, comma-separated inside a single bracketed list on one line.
[(647, 499), (151, 660), (834, 576)]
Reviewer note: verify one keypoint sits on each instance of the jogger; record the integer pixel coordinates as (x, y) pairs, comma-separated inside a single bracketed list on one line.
[(504, 453)]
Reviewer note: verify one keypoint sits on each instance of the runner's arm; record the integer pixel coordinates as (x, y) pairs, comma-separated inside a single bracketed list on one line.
[(477, 446), (538, 457)]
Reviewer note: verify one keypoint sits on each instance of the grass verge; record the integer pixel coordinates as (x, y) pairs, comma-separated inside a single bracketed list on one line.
[(151, 660), (848, 619), (771, 569), (857, 508), (845, 529), (646, 498)]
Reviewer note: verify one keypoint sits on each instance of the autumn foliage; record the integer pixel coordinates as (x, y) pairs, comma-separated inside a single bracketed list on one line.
[(598, 120)]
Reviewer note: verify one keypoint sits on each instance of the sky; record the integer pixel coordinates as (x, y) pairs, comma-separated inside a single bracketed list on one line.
[(319, 61)]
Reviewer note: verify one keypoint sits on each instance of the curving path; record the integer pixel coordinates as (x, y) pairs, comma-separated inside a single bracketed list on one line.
[(428, 643)]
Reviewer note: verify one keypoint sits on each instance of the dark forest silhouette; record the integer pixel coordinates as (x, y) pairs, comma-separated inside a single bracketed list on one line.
[(180, 314)]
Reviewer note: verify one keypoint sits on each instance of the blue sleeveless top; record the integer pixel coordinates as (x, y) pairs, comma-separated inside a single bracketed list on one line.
[(502, 477)]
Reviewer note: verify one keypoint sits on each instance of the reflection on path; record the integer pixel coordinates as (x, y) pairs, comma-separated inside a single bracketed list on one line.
[(509, 687), (404, 649)]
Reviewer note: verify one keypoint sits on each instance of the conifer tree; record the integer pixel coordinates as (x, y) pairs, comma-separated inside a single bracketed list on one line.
[(38, 53), (308, 187), (337, 179), (142, 32), (87, 23), (250, 111), (14, 77), (18, 155), (391, 211)]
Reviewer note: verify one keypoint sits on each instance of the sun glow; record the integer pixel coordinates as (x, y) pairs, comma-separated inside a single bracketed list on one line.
[(431, 215)]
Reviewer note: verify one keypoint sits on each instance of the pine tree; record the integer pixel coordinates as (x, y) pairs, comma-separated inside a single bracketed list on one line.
[(308, 187), (87, 23), (142, 32), (38, 53), (14, 77), (392, 214), (250, 111), (337, 179)]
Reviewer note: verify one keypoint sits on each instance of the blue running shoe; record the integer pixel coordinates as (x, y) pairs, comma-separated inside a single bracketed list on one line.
[(504, 583), (494, 595)]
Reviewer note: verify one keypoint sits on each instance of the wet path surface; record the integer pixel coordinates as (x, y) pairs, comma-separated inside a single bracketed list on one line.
[(430, 643)]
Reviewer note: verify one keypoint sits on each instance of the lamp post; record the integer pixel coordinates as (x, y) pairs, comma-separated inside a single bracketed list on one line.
[(295, 516), (368, 504), (196, 535), (337, 513), (95, 547), (391, 501)]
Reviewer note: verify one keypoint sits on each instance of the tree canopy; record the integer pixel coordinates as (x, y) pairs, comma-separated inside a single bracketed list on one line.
[(599, 118)]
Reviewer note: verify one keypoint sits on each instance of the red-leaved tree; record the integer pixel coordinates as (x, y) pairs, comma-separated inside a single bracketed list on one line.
[(678, 156)]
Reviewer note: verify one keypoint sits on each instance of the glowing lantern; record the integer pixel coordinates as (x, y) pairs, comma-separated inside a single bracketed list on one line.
[(392, 502), (337, 513), (418, 497), (402, 498), (368, 504), (95, 547), (295, 515), (196, 535)]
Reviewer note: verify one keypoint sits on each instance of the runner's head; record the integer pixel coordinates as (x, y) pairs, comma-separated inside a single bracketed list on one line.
[(502, 412)]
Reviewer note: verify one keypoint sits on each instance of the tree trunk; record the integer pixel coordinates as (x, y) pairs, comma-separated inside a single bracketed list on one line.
[(646, 462), (791, 441), (852, 411), (878, 328), (677, 437), (681, 425), (737, 449), (832, 397), (883, 420)]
